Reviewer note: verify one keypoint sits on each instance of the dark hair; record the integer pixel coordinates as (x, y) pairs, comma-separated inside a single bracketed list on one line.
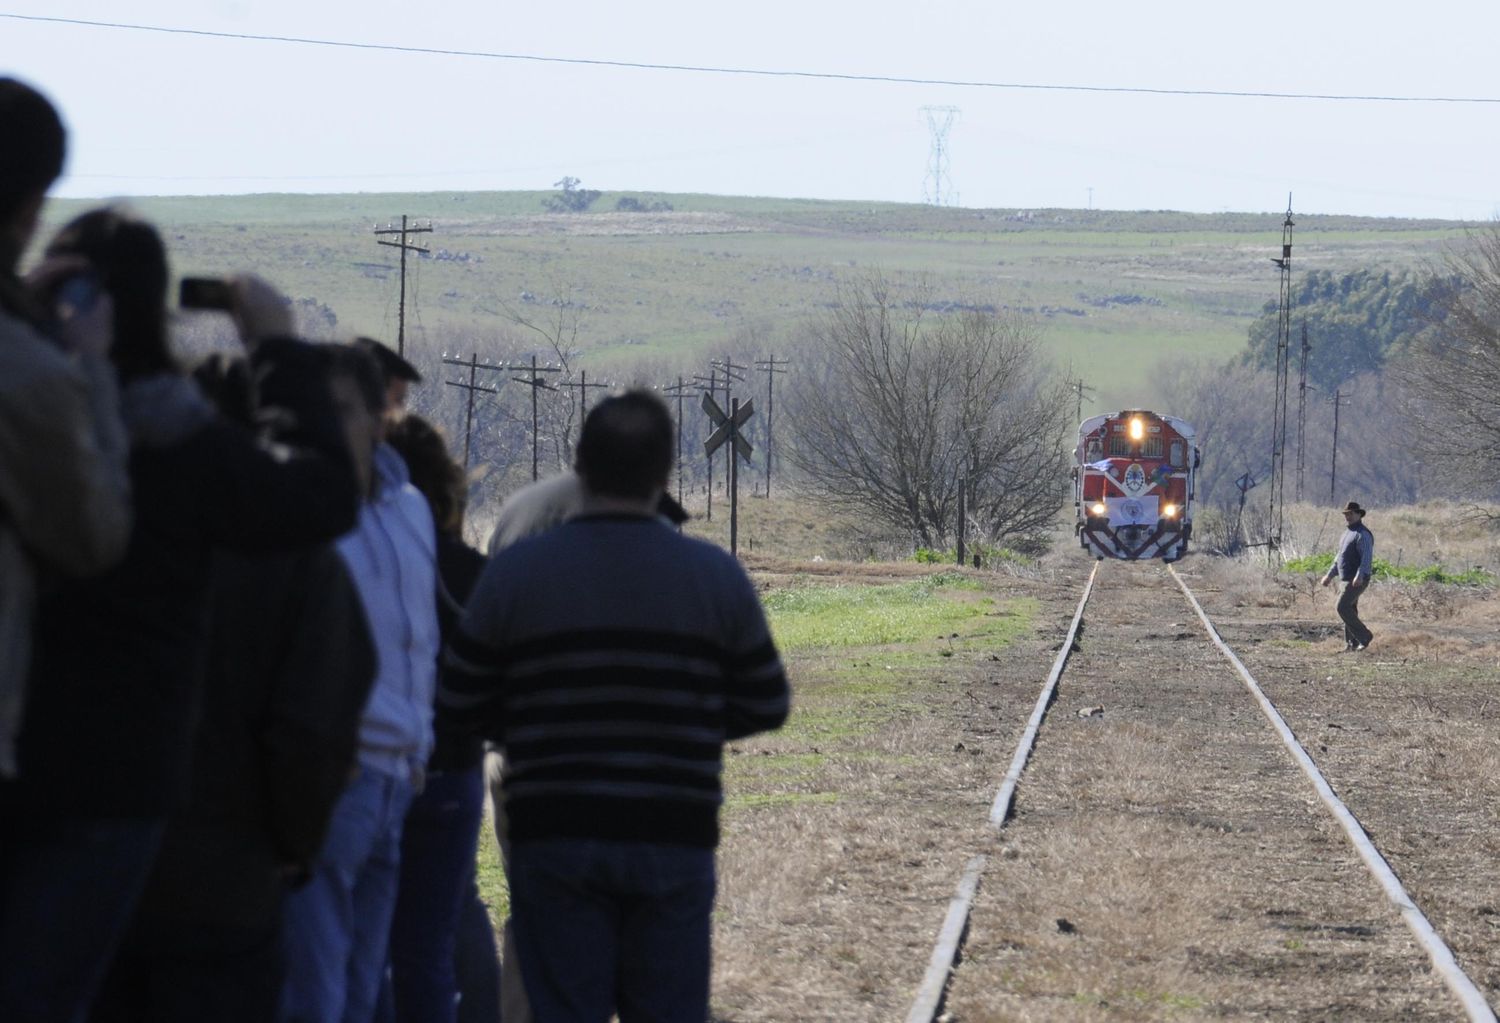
[(131, 261), (433, 471), (392, 366), (626, 446), (35, 145), (360, 367)]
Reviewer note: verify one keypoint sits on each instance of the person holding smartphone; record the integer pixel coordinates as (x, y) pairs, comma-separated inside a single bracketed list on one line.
[(103, 751), (64, 493)]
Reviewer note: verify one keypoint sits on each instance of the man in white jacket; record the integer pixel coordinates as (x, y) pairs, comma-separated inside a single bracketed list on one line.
[(338, 925)]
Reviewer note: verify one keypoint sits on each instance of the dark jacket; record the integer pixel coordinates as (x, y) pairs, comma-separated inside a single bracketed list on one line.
[(118, 658), (459, 566), (289, 667)]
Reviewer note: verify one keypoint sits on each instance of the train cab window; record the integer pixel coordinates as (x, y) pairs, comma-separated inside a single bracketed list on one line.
[(1093, 452), (1179, 455), (1151, 446)]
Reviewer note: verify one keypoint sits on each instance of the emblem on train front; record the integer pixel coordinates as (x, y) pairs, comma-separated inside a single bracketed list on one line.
[(1135, 480), (1132, 510)]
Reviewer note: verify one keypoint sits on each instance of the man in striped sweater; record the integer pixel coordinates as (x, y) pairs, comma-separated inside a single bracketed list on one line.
[(612, 658)]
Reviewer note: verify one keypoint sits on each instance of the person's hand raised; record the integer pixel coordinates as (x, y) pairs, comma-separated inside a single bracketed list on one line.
[(259, 310), (84, 311)]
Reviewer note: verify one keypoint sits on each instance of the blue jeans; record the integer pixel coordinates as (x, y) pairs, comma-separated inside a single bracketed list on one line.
[(437, 861), (604, 927), (68, 887), (338, 925)]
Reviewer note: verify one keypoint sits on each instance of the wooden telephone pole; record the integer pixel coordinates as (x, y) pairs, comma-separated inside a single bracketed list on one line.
[(471, 386), (537, 383), (772, 366), (405, 247)]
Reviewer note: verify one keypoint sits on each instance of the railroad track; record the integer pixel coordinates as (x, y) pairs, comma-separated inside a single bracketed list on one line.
[(945, 962)]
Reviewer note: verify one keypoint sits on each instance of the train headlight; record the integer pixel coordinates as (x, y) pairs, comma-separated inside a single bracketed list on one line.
[(1137, 429), (1100, 509), (1170, 511)]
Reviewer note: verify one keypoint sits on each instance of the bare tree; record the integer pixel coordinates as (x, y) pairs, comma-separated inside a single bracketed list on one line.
[(1451, 375), (897, 406), (1228, 408)]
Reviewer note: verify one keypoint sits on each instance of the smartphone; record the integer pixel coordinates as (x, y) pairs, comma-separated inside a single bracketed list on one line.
[(77, 294), (205, 293)]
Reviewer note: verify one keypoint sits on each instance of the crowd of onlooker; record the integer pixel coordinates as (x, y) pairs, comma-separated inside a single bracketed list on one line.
[(255, 688)]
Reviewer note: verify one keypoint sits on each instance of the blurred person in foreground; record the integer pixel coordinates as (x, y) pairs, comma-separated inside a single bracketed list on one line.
[(338, 925), (441, 834), (1353, 564), (289, 667), (64, 489), (117, 663), (611, 658)]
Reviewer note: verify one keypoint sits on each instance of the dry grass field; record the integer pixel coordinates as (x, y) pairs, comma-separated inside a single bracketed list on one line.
[(1165, 860)]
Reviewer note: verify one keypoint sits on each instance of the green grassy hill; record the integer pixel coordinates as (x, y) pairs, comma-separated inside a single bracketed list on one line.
[(1118, 292)]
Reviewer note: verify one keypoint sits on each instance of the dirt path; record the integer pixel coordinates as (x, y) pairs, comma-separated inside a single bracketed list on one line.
[(1408, 734), (1168, 860)]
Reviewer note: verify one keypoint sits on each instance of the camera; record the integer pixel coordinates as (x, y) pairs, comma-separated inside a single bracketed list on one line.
[(205, 293)]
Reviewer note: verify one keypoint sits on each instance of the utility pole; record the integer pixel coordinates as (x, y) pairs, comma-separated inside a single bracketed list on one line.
[(1283, 360), (1339, 400), (537, 383), (471, 386), (679, 391), (582, 384), (963, 514), (1077, 385), (405, 247), (712, 380), (732, 372), (772, 366), (1244, 484), (1302, 387)]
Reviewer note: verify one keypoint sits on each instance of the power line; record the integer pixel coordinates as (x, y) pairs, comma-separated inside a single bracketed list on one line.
[(755, 72)]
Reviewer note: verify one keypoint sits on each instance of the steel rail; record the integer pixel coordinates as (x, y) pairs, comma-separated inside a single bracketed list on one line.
[(929, 999), (1443, 962)]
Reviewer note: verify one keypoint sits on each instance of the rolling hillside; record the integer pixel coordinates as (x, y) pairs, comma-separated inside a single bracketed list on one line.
[(1118, 292)]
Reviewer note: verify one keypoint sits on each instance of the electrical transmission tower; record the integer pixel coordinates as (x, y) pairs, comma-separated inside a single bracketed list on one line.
[(1283, 367), (937, 186), (405, 247)]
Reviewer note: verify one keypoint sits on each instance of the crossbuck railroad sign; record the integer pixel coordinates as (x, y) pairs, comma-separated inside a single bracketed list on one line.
[(728, 426)]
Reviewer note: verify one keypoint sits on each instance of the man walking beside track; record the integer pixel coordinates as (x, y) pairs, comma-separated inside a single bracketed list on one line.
[(612, 658), (1353, 564)]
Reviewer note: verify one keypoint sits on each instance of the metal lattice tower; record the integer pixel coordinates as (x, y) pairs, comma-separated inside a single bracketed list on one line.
[(937, 186), (1283, 367)]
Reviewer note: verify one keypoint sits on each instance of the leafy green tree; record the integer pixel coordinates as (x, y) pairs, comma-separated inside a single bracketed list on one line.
[(1355, 321)]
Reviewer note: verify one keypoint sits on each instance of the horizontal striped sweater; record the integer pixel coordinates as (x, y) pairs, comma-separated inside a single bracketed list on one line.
[(612, 658)]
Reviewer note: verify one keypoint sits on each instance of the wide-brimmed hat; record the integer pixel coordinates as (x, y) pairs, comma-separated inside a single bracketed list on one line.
[(1353, 506)]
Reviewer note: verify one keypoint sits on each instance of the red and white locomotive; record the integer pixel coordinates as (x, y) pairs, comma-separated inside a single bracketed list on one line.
[(1133, 485)]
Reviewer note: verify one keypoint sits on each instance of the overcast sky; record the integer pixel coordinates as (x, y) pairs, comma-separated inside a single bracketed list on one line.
[(162, 114)]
